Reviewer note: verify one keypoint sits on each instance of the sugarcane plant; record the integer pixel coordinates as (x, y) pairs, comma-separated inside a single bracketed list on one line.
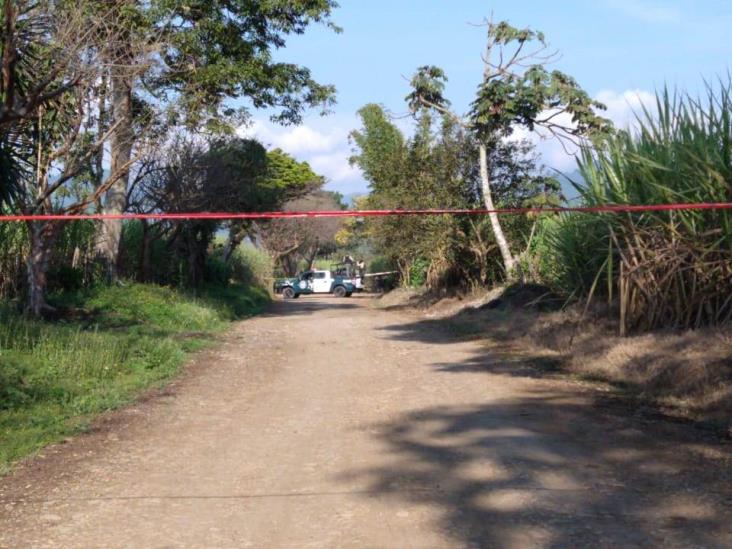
[(660, 268)]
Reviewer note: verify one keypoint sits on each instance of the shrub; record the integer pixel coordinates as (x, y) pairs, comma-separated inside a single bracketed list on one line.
[(663, 269), (251, 266)]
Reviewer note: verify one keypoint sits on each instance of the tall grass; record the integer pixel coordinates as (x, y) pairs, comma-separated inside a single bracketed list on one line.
[(55, 376), (662, 269), (71, 263)]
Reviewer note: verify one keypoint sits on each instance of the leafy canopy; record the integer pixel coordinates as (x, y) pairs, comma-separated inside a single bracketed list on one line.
[(516, 90), (223, 49)]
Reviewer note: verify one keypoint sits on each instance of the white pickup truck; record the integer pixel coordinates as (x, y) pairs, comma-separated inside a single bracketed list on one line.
[(314, 282)]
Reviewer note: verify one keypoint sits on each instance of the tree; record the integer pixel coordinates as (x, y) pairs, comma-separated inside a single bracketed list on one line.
[(221, 175), (207, 53), (282, 180), (436, 168), (42, 59), (516, 90), (289, 241), (57, 143)]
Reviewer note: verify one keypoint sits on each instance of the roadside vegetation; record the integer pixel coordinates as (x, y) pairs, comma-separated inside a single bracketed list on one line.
[(126, 107), (658, 269), (649, 270), (134, 115), (623, 290), (119, 342)]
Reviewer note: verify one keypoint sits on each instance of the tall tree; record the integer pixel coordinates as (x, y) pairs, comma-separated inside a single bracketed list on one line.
[(278, 179), (41, 46), (57, 143), (436, 168), (208, 53), (516, 90)]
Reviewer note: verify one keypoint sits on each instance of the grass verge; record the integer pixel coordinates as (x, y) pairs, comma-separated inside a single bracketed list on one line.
[(119, 341)]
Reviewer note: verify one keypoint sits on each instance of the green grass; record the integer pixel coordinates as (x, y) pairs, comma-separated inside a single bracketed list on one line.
[(55, 376)]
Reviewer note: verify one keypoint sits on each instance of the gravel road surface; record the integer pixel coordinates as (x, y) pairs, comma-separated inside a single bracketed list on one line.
[(328, 423)]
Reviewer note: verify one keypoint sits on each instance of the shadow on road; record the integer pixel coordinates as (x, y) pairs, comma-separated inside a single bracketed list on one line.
[(661, 371), (540, 470), (554, 466), (307, 305)]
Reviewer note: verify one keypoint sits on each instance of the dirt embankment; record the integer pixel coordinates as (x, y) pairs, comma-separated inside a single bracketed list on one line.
[(682, 374)]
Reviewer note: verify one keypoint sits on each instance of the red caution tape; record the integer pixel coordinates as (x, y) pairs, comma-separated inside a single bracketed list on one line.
[(617, 208)]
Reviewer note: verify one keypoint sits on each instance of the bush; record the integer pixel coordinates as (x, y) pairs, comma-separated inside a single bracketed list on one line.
[(663, 269), (418, 272), (14, 389), (251, 266)]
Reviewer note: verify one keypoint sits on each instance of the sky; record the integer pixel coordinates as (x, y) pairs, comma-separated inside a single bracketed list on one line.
[(619, 51)]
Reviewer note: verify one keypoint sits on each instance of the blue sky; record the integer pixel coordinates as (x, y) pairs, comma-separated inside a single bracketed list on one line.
[(618, 50)]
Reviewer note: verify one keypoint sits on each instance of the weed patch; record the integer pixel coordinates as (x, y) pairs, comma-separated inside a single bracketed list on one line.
[(55, 376)]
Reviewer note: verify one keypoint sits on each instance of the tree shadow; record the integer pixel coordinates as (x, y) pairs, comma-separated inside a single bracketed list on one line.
[(643, 371), (549, 470), (306, 305), (555, 466)]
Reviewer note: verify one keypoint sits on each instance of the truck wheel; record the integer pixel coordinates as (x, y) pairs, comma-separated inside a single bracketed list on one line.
[(339, 291), (288, 293)]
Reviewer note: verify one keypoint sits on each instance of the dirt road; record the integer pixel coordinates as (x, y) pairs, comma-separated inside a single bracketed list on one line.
[(326, 423)]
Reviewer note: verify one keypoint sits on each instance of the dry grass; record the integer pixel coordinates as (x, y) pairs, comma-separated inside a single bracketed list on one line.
[(686, 374)]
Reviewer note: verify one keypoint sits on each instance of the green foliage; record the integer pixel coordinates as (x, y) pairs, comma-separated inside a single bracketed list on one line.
[(428, 87), (381, 264), (288, 178), (517, 90), (55, 376), (502, 104), (381, 148), (418, 272), (61, 274), (184, 64), (516, 94), (227, 174), (572, 251), (248, 266), (664, 269), (437, 168), (213, 51)]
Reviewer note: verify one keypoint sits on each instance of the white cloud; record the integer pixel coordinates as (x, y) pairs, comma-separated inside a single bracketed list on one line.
[(324, 142), (336, 165), (622, 107), (325, 148), (647, 10)]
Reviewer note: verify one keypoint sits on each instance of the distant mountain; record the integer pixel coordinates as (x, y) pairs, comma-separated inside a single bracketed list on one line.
[(566, 179), (349, 199)]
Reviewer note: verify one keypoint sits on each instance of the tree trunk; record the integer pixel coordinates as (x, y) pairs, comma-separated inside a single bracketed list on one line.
[(143, 263), (509, 262), (115, 200), (405, 270), (237, 233), (43, 237), (313, 254), (289, 265)]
